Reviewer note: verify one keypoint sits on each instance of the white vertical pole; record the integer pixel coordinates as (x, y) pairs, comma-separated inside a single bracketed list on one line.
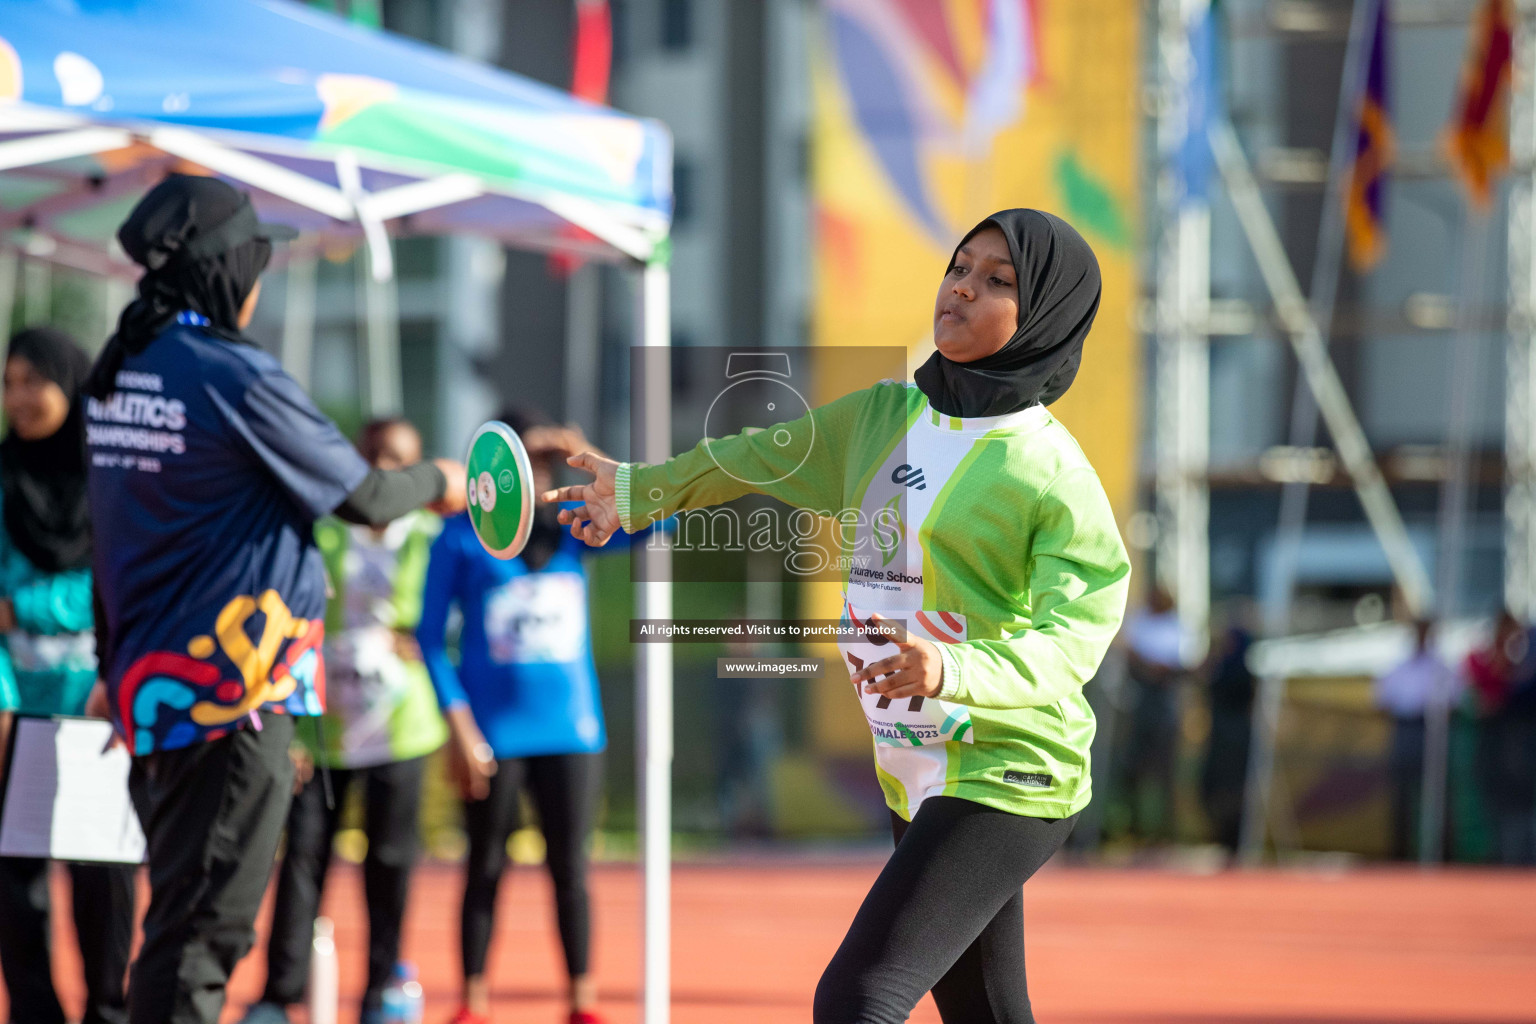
[(381, 327), (653, 661), (1520, 395), (1193, 354), (299, 314), (1182, 425)]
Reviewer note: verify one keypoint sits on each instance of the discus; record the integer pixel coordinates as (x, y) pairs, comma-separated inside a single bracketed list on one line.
[(499, 489)]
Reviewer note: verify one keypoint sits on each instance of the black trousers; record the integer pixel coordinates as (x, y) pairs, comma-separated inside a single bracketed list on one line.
[(212, 814), (102, 898), (564, 788), (946, 915), (392, 802), (1406, 778)]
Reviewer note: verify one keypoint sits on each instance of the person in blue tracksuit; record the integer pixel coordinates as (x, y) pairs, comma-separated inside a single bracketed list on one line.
[(523, 712)]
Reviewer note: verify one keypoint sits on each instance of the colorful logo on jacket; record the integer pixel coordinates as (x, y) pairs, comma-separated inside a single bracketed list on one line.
[(259, 657), (927, 78)]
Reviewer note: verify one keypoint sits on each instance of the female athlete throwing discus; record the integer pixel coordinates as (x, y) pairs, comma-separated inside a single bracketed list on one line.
[(1006, 568)]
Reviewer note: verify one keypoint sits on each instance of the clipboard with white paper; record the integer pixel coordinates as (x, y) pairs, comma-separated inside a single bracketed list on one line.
[(65, 794)]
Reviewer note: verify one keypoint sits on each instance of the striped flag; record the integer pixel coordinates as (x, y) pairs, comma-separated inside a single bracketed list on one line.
[(1364, 223), (1204, 105), (1478, 141)]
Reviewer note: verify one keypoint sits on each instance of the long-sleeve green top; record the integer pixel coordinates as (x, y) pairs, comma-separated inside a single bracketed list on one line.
[(991, 537)]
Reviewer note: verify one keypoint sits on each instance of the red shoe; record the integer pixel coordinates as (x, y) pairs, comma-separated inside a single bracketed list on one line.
[(467, 1016), (585, 1017)]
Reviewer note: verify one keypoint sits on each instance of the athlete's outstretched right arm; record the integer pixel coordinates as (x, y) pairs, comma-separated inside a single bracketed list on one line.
[(800, 463)]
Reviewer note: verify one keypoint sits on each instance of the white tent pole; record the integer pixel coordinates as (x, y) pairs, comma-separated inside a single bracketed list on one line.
[(381, 325), (1355, 451), (42, 149), (653, 661), (299, 313)]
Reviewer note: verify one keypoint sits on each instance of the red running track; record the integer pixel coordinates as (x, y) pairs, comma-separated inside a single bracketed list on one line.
[(1380, 946)]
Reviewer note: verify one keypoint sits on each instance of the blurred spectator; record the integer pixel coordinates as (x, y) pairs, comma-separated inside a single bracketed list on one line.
[(1154, 645), (48, 666), (1229, 687), (1420, 684), (1518, 830), (524, 713), (381, 723), (1491, 672)]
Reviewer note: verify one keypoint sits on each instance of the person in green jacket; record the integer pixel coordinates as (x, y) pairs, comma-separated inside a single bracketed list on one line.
[(380, 724), (48, 666), (969, 515)]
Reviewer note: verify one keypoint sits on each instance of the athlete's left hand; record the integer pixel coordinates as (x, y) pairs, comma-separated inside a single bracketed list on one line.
[(915, 670)]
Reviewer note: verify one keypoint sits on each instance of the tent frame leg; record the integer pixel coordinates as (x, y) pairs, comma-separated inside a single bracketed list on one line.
[(652, 433)]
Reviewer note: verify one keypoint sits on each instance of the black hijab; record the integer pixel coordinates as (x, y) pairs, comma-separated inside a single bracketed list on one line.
[(202, 249), (43, 481), (1059, 289)]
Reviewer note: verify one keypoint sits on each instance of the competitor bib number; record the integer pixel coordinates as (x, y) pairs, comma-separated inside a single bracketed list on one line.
[(907, 721), (500, 489)]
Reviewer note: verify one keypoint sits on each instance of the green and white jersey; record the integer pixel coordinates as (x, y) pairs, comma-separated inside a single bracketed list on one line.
[(991, 537), (380, 707)]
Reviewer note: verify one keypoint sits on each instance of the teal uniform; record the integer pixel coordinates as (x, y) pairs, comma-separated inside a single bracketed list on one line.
[(48, 663)]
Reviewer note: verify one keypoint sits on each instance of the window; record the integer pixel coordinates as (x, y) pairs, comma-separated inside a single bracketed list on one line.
[(676, 24)]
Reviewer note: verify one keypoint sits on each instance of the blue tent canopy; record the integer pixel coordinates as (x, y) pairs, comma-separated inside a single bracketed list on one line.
[(333, 127)]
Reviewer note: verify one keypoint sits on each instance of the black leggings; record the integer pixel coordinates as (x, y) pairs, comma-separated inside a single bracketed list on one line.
[(102, 899), (391, 802), (947, 915), (564, 788)]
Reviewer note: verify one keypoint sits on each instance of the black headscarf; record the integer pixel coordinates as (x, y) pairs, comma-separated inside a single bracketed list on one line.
[(43, 481), (202, 249), (1059, 289)]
